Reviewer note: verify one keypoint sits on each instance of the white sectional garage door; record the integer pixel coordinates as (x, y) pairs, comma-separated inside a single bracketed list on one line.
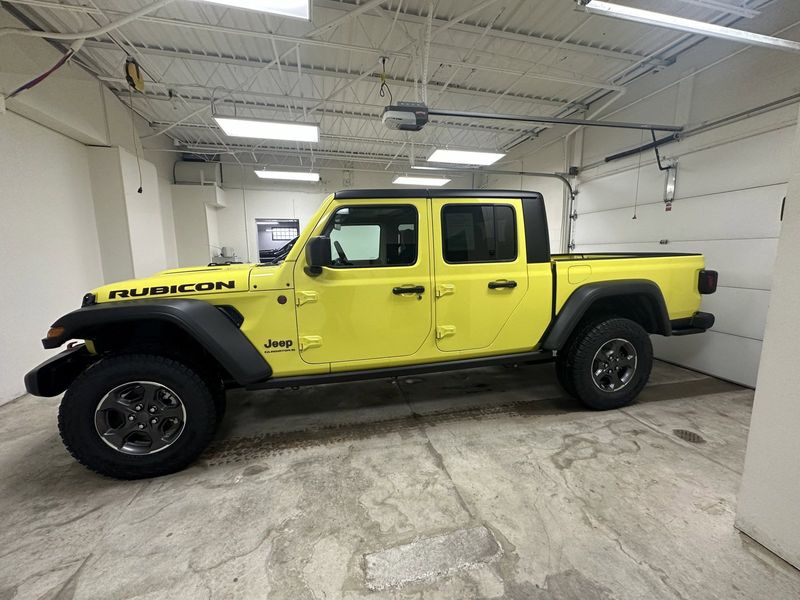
[(728, 206)]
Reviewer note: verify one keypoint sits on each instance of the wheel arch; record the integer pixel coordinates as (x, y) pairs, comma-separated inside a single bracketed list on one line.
[(640, 300), (198, 331)]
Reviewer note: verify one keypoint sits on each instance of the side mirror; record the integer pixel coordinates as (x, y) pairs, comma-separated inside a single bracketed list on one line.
[(318, 254)]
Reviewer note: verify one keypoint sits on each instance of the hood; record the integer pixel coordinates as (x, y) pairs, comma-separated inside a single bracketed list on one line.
[(190, 281)]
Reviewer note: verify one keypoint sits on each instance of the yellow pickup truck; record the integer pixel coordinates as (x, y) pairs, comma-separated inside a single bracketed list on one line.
[(381, 283)]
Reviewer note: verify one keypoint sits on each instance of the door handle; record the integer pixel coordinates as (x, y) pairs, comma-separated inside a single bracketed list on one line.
[(412, 289), (493, 285)]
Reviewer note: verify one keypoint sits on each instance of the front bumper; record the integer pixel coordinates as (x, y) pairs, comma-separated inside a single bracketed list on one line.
[(54, 375)]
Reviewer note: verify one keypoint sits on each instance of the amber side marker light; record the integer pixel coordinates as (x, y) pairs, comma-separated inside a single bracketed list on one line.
[(55, 332)]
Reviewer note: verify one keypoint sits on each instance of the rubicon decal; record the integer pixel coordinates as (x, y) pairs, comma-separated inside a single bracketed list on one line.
[(279, 345), (162, 290)]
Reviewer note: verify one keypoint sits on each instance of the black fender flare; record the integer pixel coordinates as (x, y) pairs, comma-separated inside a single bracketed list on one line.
[(209, 326), (582, 299)]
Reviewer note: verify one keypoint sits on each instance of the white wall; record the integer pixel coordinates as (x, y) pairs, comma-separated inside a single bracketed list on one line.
[(144, 215), (168, 223), (49, 193), (48, 239), (727, 206), (769, 500), (240, 231), (731, 182), (130, 224), (111, 217), (192, 220), (549, 160), (262, 199)]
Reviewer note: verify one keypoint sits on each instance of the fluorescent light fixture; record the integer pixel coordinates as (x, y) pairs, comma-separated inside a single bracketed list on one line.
[(300, 9), (464, 157), (268, 130), (431, 181), (607, 9), (421, 168), (288, 175)]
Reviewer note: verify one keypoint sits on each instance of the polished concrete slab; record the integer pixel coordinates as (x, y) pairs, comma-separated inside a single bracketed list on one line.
[(478, 484)]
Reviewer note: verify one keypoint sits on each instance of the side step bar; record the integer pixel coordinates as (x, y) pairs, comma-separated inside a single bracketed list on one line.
[(450, 365)]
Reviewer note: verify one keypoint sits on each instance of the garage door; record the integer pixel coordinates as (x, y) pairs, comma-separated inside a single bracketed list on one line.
[(728, 206)]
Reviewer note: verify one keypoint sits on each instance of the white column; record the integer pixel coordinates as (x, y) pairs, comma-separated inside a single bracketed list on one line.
[(769, 499)]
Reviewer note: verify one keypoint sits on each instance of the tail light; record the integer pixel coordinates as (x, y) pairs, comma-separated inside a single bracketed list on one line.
[(707, 282)]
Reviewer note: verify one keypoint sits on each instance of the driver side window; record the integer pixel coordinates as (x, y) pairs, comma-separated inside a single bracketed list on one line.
[(373, 236)]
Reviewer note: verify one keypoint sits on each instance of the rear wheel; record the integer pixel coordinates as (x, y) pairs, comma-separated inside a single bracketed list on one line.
[(607, 363), (138, 415)]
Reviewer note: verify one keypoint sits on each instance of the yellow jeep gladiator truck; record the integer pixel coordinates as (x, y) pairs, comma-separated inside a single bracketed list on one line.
[(381, 283)]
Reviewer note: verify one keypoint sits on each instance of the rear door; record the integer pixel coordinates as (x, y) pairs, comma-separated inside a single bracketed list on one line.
[(480, 269)]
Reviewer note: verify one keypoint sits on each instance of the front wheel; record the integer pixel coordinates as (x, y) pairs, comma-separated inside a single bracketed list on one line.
[(136, 416), (606, 363)]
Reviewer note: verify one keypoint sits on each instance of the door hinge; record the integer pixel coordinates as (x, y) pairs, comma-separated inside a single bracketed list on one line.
[(301, 298), (443, 289), (442, 331), (310, 341)]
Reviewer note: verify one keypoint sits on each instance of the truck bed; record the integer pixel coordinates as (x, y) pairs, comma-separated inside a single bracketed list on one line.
[(676, 274)]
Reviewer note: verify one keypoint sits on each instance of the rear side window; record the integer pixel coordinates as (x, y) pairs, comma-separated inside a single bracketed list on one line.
[(373, 236), (475, 233)]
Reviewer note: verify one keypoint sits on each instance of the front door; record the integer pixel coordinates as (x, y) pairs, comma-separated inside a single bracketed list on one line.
[(480, 271), (374, 300)]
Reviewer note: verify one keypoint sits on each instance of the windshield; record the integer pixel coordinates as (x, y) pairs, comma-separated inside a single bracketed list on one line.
[(279, 255)]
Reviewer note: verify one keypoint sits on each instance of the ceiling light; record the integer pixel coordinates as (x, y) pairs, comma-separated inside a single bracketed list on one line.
[(647, 17), (431, 181), (300, 9), (268, 130), (464, 157), (288, 175), (421, 168)]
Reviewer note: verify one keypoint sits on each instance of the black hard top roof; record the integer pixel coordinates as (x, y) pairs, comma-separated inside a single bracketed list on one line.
[(432, 193)]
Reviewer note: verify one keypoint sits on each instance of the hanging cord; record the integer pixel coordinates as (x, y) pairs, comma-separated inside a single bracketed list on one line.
[(37, 80), (384, 89), (638, 173), (133, 137)]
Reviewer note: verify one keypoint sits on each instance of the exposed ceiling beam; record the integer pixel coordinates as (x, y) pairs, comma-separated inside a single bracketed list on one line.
[(330, 111), (308, 69), (527, 100), (527, 38), (527, 74), (210, 148), (272, 37), (329, 136)]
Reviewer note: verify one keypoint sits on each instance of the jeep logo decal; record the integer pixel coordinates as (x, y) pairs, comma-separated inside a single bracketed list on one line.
[(184, 288), (279, 345)]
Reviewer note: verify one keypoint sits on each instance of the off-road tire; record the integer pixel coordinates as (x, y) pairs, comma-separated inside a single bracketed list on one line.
[(76, 416), (575, 367)]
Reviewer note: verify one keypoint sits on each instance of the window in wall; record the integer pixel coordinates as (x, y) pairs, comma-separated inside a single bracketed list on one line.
[(284, 234), (479, 233), (373, 236), (275, 237)]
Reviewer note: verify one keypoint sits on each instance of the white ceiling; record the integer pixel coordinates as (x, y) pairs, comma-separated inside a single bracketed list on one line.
[(534, 57)]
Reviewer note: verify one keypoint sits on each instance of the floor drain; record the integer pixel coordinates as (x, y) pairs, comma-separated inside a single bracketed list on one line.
[(689, 436)]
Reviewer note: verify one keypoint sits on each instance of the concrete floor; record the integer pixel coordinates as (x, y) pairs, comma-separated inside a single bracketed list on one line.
[(477, 484)]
